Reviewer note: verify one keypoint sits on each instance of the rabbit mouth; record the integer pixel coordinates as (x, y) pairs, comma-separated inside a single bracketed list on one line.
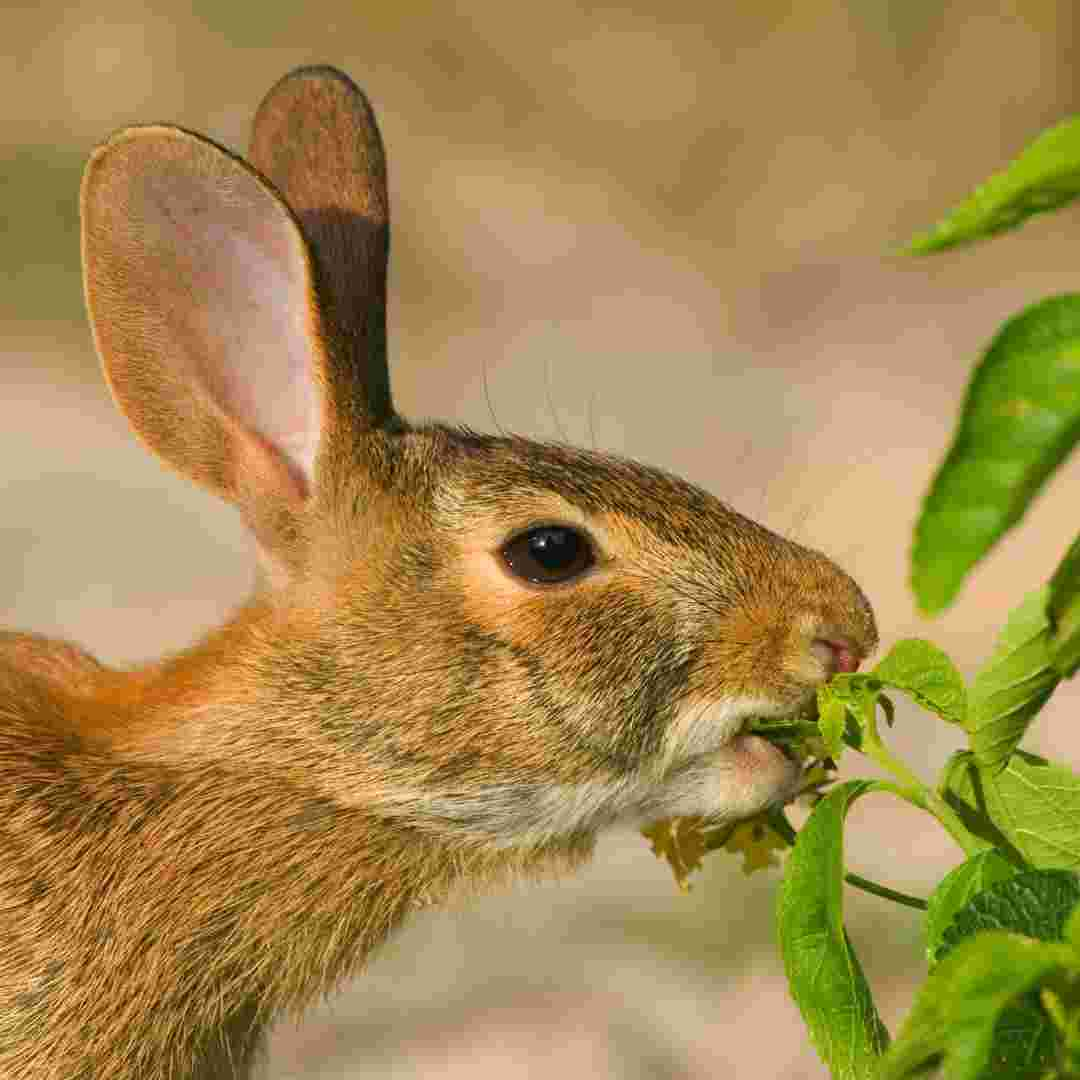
[(774, 775), (704, 728), (711, 767), (745, 776), (792, 732)]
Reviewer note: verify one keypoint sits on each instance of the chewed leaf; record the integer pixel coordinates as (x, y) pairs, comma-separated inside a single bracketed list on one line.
[(1063, 610), (925, 673), (823, 972), (1013, 685), (800, 738), (1021, 416), (1044, 177)]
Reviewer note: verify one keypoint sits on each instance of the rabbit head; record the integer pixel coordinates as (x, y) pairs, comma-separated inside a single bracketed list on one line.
[(478, 636)]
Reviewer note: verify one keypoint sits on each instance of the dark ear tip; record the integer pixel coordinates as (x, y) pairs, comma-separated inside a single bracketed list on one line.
[(321, 72), (318, 76), (315, 137), (314, 113)]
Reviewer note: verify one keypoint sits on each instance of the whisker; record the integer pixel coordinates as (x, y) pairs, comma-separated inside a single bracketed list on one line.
[(809, 505), (737, 464), (487, 397), (550, 402)]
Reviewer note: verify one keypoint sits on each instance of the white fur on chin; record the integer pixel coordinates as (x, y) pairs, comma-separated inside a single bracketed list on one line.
[(706, 768)]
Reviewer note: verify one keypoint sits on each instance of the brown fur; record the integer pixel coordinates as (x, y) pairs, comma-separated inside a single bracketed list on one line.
[(189, 848)]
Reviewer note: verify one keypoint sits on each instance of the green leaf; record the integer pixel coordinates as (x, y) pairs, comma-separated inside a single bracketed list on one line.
[(1013, 685), (832, 723), (955, 890), (1025, 1041), (1063, 610), (1020, 417), (858, 696), (1072, 928), (1036, 903), (1031, 808), (961, 787), (888, 709), (1044, 177), (823, 971), (925, 673), (958, 1008)]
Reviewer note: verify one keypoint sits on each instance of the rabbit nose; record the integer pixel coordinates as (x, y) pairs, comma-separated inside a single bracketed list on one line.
[(837, 654)]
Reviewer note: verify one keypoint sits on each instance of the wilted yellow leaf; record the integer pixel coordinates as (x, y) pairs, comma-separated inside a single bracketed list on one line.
[(681, 843), (757, 842)]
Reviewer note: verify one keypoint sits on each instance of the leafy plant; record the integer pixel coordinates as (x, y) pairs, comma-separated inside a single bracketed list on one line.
[(1002, 929)]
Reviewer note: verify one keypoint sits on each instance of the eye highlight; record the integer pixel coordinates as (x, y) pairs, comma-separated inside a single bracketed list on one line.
[(548, 554)]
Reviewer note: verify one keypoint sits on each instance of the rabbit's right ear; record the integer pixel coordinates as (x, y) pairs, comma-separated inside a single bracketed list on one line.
[(315, 139), (200, 291)]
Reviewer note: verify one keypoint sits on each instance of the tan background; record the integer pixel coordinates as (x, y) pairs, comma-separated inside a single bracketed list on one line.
[(655, 227)]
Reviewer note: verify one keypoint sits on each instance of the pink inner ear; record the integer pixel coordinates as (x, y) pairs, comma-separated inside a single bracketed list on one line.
[(257, 361), (199, 288), (216, 261)]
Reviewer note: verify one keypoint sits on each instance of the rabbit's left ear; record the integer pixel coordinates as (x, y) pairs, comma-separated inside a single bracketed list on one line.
[(200, 294), (315, 139), (241, 323)]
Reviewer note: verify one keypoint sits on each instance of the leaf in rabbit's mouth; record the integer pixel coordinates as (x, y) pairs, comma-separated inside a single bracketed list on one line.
[(796, 733)]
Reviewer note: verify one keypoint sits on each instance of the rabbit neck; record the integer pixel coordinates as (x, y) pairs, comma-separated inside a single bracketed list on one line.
[(173, 905)]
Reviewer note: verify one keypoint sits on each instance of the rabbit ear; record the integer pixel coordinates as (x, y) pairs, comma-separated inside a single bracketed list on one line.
[(199, 288), (315, 138)]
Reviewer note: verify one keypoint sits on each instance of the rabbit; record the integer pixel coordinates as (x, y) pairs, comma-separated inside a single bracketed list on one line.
[(465, 655)]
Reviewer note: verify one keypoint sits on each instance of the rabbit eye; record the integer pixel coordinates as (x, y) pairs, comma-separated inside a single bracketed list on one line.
[(548, 555)]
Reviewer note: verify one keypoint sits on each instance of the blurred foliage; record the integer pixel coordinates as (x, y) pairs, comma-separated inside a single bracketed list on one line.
[(39, 221)]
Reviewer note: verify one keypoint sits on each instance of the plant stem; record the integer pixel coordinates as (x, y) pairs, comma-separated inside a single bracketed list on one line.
[(779, 823), (918, 793), (884, 891)]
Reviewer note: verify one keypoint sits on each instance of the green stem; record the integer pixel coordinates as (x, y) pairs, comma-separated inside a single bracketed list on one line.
[(783, 828), (884, 891), (950, 820), (918, 793)]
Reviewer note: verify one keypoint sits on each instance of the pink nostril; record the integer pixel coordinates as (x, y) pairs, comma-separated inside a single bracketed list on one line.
[(844, 658)]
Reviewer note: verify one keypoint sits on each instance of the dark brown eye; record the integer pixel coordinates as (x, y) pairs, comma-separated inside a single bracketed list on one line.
[(548, 555)]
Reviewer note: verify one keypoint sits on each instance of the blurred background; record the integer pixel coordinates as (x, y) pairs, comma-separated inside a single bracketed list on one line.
[(662, 229)]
